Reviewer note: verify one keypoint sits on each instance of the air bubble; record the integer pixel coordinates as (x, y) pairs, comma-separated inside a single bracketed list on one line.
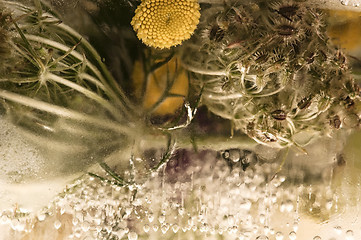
[(132, 236), (41, 217), (150, 217), (57, 224), (77, 234), (292, 235), (262, 218), (317, 238), (175, 228), (279, 236), (349, 235), (286, 206), (234, 155), (4, 220), (338, 230), (17, 225), (155, 228), (164, 228), (161, 219), (295, 226), (62, 211), (85, 226), (146, 228), (262, 237), (266, 229), (181, 211), (329, 204), (344, 2)]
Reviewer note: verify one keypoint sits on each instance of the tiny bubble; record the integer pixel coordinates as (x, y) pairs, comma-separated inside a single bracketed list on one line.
[(349, 235), (338, 230), (155, 228), (57, 224), (146, 228), (262, 237), (175, 228), (41, 217), (132, 236), (292, 235), (279, 236)]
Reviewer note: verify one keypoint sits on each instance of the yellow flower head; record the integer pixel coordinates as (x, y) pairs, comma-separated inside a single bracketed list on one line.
[(165, 23)]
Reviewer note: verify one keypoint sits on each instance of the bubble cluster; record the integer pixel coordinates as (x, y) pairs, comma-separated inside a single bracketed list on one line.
[(195, 193)]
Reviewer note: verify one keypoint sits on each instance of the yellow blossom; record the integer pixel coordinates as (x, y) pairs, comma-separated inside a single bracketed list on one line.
[(165, 23)]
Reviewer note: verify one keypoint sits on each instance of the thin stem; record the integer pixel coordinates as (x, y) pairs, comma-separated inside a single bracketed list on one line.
[(190, 115), (204, 72), (282, 163), (268, 94), (225, 97), (65, 112), (167, 155), (105, 103), (96, 82), (65, 49), (113, 174), (97, 58), (105, 180), (80, 57)]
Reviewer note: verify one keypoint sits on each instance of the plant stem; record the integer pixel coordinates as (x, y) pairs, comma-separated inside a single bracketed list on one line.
[(66, 113), (105, 103), (80, 57)]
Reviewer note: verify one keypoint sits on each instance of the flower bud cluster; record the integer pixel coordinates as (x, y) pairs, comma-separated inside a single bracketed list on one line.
[(269, 67)]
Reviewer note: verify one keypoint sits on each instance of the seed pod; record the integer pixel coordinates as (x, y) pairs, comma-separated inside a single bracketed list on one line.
[(304, 103), (286, 30), (288, 11), (349, 102), (335, 122), (216, 33), (279, 115), (261, 57), (340, 160)]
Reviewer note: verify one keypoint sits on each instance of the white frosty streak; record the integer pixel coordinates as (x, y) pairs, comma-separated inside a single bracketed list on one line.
[(18, 159)]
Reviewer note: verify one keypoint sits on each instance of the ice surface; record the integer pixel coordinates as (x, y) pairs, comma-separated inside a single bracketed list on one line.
[(23, 174), (18, 159)]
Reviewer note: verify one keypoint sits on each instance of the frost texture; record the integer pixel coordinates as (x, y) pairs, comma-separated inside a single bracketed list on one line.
[(18, 159)]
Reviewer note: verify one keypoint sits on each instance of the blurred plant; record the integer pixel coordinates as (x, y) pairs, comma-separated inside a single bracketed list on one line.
[(163, 90), (342, 29), (269, 67), (56, 87)]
